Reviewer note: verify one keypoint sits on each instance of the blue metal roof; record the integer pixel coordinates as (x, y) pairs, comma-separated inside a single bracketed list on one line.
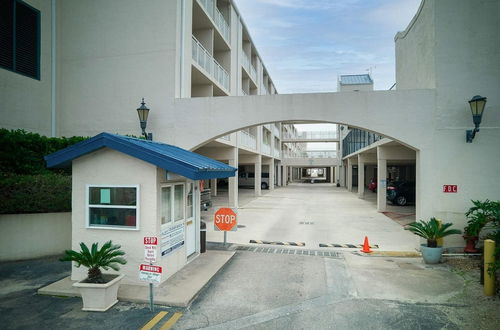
[(168, 157), (356, 79)]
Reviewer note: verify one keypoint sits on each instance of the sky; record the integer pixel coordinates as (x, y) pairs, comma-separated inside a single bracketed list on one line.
[(306, 44)]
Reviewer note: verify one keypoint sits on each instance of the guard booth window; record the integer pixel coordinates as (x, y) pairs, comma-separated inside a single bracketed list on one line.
[(20, 38), (112, 207), (172, 203)]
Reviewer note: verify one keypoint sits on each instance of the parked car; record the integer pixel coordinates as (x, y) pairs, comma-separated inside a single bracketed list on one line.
[(247, 179), (401, 192), (373, 185)]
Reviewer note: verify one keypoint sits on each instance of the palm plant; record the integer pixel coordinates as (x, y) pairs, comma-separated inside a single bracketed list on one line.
[(109, 256), (432, 230)]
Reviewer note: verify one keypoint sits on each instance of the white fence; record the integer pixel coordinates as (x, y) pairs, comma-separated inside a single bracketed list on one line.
[(209, 64), (247, 140)]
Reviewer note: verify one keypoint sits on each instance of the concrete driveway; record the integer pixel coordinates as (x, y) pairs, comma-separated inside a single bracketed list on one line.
[(313, 214)]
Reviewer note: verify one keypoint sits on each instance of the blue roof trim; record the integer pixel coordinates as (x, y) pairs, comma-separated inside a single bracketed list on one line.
[(168, 157)]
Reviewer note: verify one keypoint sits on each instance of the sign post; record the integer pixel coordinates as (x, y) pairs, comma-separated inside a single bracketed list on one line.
[(150, 273), (225, 220)]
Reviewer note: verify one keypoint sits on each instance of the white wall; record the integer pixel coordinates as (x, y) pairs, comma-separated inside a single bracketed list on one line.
[(110, 55), (28, 236), (26, 102)]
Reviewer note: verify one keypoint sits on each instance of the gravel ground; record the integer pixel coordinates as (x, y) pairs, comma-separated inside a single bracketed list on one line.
[(479, 311)]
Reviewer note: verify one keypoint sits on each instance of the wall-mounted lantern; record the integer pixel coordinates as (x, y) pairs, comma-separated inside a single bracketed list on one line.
[(477, 104), (143, 112)]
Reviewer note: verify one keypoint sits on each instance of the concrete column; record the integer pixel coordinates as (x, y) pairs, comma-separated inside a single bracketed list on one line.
[(233, 181), (285, 176), (342, 174), (349, 174), (258, 174), (361, 177), (213, 187), (280, 181), (381, 181), (337, 174), (271, 174), (332, 176)]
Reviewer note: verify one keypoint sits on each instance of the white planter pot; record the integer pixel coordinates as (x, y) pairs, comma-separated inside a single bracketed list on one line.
[(99, 297)]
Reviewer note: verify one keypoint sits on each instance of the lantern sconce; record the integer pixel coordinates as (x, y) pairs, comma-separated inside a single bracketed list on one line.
[(476, 104)]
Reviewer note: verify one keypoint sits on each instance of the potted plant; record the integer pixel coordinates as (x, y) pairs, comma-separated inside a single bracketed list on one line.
[(479, 216), (432, 230), (99, 291)]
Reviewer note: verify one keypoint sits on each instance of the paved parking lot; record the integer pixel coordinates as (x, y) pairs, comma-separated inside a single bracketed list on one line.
[(22, 308), (313, 214)]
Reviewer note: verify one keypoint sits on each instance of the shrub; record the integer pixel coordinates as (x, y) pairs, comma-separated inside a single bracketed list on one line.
[(22, 152), (35, 193)]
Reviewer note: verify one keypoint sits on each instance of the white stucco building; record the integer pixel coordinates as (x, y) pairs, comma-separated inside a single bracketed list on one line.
[(98, 59)]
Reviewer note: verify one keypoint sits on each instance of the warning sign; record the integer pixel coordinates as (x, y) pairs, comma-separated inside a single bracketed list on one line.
[(225, 219), (150, 273)]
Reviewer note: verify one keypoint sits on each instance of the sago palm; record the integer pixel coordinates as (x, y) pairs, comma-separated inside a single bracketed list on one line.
[(432, 230), (109, 256)]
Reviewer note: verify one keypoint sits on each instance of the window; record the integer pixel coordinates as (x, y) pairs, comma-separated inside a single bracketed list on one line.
[(114, 207), (189, 201), (172, 203), (20, 38)]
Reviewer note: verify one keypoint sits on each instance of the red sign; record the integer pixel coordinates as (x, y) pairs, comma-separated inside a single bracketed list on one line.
[(151, 269), (450, 188), (225, 219), (151, 240)]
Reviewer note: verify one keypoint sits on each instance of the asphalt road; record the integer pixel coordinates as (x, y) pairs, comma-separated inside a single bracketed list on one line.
[(257, 290)]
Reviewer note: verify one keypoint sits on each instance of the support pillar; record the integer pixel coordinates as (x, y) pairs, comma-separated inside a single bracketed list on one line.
[(285, 176), (213, 187), (258, 175), (271, 174), (361, 177), (349, 174), (337, 174), (342, 175), (381, 181), (280, 179), (332, 176), (233, 181)]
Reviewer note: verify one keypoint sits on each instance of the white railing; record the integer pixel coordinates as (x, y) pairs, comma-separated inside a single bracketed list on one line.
[(277, 153), (247, 140), (275, 130), (312, 154), (317, 135), (244, 93), (249, 67), (265, 148), (216, 16), (226, 137), (207, 62)]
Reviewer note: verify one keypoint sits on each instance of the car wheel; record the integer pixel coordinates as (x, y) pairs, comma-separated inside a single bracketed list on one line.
[(263, 185), (401, 200)]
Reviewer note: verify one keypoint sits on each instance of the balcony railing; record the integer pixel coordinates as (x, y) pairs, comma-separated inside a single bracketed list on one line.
[(226, 137), (217, 17), (249, 67), (312, 154), (314, 135), (277, 153), (244, 93), (247, 140), (265, 148), (275, 130), (207, 62)]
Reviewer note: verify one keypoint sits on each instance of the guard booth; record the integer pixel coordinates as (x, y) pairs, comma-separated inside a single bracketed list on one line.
[(124, 189)]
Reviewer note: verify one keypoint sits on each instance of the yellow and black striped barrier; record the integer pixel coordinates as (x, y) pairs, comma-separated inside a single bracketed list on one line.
[(347, 246), (256, 241)]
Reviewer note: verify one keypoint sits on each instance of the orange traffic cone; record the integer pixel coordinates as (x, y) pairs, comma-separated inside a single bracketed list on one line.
[(366, 246)]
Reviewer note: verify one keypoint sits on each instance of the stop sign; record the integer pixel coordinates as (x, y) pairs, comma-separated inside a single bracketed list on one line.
[(225, 219)]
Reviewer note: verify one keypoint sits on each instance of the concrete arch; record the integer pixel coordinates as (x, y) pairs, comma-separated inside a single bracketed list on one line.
[(405, 116)]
